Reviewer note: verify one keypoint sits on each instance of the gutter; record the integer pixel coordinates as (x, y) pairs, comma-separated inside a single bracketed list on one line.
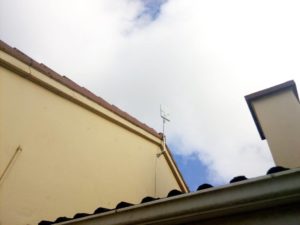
[(273, 190)]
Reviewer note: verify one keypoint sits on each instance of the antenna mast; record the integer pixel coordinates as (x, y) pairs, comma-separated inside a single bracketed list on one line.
[(166, 118)]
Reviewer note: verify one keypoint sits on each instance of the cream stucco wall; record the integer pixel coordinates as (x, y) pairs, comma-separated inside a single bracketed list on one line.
[(72, 159), (279, 117)]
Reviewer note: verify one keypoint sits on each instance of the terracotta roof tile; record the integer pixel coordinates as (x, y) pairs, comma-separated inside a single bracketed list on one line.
[(74, 86), (84, 92)]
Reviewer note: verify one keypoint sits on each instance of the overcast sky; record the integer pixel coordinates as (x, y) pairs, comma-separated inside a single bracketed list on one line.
[(198, 58)]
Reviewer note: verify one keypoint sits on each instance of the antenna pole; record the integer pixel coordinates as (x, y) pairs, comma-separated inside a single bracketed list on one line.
[(165, 117), (164, 140), (164, 123)]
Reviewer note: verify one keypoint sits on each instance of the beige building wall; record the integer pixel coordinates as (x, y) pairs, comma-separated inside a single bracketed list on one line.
[(279, 117), (75, 155)]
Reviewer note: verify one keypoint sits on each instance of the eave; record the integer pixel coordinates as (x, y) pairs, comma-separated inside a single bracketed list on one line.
[(261, 193)]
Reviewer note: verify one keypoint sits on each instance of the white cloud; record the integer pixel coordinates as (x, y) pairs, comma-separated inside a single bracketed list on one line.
[(199, 58)]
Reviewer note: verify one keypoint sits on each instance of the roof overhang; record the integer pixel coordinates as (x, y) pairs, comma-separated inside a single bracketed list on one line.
[(63, 80), (289, 85), (119, 117), (273, 190)]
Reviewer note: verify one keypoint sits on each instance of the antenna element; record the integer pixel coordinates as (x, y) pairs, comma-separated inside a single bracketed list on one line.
[(165, 115)]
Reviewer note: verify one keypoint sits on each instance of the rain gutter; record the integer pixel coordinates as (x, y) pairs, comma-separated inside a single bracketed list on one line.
[(263, 192)]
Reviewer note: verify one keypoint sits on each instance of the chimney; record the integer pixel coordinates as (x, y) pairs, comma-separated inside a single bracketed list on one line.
[(276, 113)]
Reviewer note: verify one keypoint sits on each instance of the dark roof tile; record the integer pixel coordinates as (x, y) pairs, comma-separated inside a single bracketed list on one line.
[(204, 186), (276, 169), (45, 222), (123, 205), (148, 199), (62, 219), (238, 179), (101, 210), (174, 193), (80, 215)]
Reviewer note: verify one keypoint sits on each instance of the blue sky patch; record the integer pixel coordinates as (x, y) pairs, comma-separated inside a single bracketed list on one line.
[(192, 169), (152, 9)]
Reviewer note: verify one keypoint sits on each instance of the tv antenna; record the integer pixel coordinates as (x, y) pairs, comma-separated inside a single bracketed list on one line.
[(166, 118), (165, 115)]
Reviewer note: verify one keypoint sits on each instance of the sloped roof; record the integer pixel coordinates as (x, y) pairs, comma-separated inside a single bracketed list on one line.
[(16, 53), (280, 184), (74, 86)]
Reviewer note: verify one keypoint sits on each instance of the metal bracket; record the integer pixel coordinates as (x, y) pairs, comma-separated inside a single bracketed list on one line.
[(161, 153)]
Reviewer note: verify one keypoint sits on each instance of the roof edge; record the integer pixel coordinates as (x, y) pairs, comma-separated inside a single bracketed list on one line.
[(258, 193), (16, 53), (289, 85), (180, 179)]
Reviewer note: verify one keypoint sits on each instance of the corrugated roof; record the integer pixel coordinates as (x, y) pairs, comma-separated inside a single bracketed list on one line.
[(147, 199)]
